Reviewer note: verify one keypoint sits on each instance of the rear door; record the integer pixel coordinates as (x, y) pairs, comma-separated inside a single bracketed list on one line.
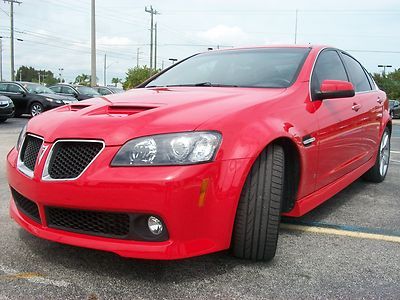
[(18, 95), (340, 126), (371, 102)]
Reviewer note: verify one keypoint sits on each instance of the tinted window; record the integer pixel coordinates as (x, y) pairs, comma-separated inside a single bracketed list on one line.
[(357, 74), (56, 89), (67, 90), (104, 91), (13, 88), (3, 87), (270, 68), (329, 66)]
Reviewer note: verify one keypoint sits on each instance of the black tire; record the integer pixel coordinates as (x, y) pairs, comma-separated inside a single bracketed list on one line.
[(2, 120), (374, 174), (36, 109), (255, 233)]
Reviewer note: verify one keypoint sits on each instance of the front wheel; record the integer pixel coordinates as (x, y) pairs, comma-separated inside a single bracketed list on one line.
[(255, 233), (378, 172), (36, 109)]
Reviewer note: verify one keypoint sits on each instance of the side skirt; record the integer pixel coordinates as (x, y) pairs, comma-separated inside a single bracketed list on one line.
[(308, 203)]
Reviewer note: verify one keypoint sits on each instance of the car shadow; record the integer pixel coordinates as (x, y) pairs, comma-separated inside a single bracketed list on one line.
[(99, 263)]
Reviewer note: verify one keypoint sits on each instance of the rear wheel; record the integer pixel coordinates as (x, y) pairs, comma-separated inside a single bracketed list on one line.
[(2, 120), (36, 109), (257, 220), (378, 172)]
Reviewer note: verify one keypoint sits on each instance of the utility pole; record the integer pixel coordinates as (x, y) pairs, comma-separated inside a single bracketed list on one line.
[(384, 69), (60, 70), (155, 46), (152, 13), (1, 58), (12, 35), (138, 52), (105, 70), (295, 28), (93, 44)]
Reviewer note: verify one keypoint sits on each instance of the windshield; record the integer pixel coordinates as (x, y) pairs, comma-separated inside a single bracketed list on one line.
[(35, 88), (267, 67), (85, 90)]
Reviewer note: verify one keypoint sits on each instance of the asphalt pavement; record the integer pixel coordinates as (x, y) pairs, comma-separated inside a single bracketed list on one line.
[(324, 264)]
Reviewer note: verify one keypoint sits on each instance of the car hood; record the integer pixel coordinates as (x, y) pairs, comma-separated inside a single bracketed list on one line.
[(140, 112)]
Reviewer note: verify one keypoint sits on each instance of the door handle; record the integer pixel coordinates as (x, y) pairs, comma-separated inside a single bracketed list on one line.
[(379, 100), (356, 107)]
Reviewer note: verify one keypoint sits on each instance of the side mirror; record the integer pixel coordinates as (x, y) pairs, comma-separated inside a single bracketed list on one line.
[(331, 89), (23, 93)]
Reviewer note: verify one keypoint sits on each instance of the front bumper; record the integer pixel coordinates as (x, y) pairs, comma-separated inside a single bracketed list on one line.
[(195, 226), (7, 112)]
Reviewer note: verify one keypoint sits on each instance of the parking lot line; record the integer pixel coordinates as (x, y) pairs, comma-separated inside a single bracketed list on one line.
[(348, 231)]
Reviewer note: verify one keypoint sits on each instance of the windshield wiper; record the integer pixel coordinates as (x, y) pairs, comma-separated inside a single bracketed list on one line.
[(206, 83)]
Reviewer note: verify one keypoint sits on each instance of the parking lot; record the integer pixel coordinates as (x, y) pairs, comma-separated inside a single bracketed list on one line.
[(347, 248)]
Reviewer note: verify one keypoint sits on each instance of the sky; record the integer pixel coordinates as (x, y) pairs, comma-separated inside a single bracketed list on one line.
[(56, 33)]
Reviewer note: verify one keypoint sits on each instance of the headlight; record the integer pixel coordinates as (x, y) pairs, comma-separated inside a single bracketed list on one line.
[(21, 137), (169, 149), (54, 100)]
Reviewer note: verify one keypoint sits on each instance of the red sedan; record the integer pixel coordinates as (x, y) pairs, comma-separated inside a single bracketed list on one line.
[(203, 157)]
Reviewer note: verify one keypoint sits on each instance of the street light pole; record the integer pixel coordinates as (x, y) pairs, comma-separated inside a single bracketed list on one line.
[(384, 69), (93, 44), (12, 35)]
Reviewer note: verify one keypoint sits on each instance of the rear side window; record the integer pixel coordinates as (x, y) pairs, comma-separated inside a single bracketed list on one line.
[(67, 90), (3, 87), (56, 89), (329, 66), (357, 74)]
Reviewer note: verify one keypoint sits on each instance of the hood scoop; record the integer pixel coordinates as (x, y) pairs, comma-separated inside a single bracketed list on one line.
[(76, 107), (120, 110)]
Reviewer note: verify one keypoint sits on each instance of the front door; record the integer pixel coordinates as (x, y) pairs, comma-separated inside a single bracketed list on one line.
[(340, 123)]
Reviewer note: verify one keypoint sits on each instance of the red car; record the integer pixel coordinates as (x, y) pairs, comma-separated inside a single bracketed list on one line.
[(203, 157)]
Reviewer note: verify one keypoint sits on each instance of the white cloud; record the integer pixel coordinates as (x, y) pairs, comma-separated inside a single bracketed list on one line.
[(225, 35)]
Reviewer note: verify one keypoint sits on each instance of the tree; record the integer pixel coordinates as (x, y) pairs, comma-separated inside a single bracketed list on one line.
[(136, 76), (30, 74), (82, 79), (116, 80), (390, 83)]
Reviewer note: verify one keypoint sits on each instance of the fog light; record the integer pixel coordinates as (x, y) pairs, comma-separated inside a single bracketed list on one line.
[(155, 225)]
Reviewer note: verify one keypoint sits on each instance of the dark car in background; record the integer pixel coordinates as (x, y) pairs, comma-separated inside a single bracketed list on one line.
[(80, 92), (107, 90), (394, 108), (32, 98), (6, 108)]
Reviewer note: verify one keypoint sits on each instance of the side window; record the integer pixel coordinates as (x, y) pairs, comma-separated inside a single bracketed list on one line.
[(67, 90), (56, 89), (3, 87), (13, 88), (357, 74), (329, 66), (104, 91)]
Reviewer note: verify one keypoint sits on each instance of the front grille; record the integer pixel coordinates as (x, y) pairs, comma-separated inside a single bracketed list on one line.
[(26, 206), (70, 158), (30, 150), (108, 224)]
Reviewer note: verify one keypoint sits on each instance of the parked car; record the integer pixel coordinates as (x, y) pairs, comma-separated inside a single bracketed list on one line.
[(32, 98), (394, 108), (6, 108), (205, 156), (107, 90), (80, 92)]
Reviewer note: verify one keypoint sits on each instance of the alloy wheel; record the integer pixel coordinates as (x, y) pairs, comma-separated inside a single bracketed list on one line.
[(384, 154), (36, 109)]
